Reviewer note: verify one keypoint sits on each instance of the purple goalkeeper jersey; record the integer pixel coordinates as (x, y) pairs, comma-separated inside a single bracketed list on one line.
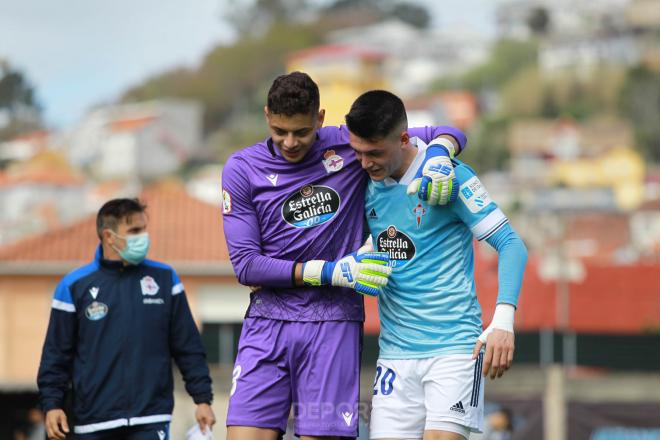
[(277, 213)]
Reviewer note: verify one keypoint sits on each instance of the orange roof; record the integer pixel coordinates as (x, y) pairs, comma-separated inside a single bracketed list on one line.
[(460, 106), (41, 178), (39, 136), (45, 168), (182, 229), (337, 51), (131, 124)]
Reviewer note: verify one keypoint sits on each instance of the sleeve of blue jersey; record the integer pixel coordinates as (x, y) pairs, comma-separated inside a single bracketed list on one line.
[(512, 259), (477, 210), (63, 298), (177, 285)]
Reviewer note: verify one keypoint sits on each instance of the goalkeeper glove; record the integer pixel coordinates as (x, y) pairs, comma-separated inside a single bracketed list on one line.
[(435, 181), (366, 272)]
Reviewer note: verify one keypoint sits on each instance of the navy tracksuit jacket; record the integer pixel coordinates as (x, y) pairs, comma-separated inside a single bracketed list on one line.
[(113, 333)]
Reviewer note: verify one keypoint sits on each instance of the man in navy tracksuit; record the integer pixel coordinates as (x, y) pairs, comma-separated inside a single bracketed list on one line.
[(115, 326)]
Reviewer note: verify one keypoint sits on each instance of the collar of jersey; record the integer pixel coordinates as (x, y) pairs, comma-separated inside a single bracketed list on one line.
[(277, 153), (409, 175), (114, 265)]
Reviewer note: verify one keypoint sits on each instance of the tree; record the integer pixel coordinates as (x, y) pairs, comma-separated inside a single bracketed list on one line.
[(640, 103), (507, 59), (488, 144), (407, 12), (15, 91), (17, 103), (231, 79), (538, 21), (412, 14), (257, 17)]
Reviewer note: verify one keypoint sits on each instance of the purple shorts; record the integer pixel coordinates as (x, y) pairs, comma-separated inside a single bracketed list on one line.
[(313, 367)]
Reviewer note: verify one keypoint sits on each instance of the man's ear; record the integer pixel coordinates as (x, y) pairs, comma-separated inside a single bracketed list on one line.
[(405, 138), (106, 236), (321, 117)]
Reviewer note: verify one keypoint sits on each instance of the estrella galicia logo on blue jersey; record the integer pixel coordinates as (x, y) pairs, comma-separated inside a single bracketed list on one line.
[(96, 311), (400, 247), (311, 206)]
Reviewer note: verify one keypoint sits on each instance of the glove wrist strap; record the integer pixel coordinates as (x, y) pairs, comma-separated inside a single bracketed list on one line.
[(313, 273), (446, 144), (326, 272)]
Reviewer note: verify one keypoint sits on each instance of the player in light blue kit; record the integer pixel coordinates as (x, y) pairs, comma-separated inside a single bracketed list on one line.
[(428, 378)]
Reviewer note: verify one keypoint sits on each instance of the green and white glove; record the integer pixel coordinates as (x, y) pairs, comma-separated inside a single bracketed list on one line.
[(366, 272), (435, 181)]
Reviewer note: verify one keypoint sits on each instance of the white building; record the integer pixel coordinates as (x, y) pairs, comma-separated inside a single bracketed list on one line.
[(566, 17), (416, 57), (142, 140)]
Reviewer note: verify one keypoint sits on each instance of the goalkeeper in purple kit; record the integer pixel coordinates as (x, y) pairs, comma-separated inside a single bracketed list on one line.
[(293, 217)]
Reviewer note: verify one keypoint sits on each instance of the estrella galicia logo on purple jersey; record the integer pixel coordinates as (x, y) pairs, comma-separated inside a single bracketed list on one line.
[(311, 206), (400, 247)]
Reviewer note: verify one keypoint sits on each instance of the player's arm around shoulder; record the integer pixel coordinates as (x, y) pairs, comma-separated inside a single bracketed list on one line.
[(435, 180)]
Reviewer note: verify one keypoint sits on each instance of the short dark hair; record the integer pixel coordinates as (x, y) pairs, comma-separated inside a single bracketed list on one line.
[(375, 114), (114, 211), (293, 94)]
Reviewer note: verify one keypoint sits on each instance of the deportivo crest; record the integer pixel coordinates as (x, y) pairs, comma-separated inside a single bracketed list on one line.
[(332, 161), (311, 206), (96, 311), (226, 202), (149, 286), (397, 244)]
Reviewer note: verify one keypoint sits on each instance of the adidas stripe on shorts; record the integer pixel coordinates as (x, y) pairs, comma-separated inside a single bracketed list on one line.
[(414, 395)]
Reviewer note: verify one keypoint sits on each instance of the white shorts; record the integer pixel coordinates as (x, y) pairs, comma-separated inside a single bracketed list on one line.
[(443, 393)]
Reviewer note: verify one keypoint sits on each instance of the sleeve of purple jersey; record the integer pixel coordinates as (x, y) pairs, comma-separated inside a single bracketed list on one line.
[(427, 134), (243, 235)]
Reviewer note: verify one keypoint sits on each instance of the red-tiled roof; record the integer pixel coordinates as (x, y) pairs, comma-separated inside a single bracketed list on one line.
[(131, 124), (337, 51), (182, 229), (45, 168), (39, 135), (53, 178)]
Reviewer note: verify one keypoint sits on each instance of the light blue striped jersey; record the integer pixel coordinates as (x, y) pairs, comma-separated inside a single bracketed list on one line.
[(429, 307)]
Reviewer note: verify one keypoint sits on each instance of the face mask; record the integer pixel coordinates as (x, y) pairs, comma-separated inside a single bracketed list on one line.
[(136, 249)]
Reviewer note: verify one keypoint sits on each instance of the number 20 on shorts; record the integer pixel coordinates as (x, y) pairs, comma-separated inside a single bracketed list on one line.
[(386, 382)]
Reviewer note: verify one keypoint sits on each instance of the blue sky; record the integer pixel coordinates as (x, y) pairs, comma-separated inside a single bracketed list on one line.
[(78, 53)]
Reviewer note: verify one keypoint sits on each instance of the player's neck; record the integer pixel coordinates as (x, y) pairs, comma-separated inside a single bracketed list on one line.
[(409, 153)]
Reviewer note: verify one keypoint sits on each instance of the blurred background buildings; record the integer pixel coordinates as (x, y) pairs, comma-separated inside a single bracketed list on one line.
[(561, 107)]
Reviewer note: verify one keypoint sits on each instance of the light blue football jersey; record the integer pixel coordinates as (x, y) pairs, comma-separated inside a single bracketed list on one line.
[(429, 306)]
